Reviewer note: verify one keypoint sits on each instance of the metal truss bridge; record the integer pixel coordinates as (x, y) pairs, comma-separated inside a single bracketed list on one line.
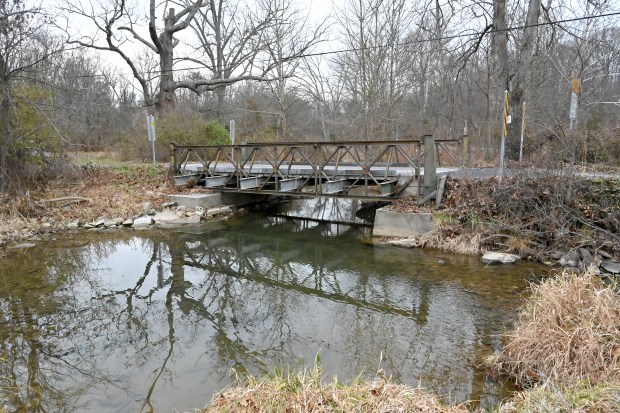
[(353, 169)]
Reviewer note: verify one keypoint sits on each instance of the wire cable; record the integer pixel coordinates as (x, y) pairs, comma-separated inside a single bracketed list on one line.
[(405, 43)]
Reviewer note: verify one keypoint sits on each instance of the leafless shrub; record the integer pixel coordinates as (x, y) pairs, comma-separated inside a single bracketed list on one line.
[(528, 213)]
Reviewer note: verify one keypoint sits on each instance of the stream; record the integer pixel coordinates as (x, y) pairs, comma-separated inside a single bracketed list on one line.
[(158, 320)]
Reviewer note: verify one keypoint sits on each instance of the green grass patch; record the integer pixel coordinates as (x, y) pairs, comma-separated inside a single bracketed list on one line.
[(444, 219)]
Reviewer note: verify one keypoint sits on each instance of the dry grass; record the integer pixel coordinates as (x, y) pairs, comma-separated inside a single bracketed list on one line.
[(568, 332), (304, 392), (465, 244), (112, 192), (528, 214), (579, 398), (120, 192)]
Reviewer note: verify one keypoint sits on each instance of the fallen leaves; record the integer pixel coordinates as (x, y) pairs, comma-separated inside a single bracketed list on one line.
[(532, 209)]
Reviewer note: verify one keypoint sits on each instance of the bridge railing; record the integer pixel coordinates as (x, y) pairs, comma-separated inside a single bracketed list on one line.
[(374, 168)]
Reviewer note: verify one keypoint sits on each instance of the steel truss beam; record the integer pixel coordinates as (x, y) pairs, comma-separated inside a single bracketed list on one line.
[(364, 169)]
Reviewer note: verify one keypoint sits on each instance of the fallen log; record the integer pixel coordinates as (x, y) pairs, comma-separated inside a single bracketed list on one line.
[(68, 199)]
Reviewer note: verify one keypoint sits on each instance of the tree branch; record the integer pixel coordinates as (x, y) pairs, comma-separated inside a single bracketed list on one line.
[(139, 38), (472, 50), (152, 28), (190, 11), (212, 84)]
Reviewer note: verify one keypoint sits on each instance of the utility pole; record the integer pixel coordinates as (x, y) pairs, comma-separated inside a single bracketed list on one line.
[(502, 144), (522, 132)]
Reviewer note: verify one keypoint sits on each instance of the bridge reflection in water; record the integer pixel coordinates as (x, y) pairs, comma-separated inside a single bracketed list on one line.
[(155, 322)]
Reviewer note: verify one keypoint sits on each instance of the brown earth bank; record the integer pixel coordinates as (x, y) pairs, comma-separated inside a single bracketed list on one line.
[(561, 220)]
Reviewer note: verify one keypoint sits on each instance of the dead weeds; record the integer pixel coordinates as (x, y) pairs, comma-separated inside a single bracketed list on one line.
[(578, 398), (464, 244), (105, 192), (528, 214), (304, 392), (568, 332)]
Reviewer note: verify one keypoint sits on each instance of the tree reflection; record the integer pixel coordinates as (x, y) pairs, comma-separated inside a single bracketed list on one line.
[(44, 368), (76, 322)]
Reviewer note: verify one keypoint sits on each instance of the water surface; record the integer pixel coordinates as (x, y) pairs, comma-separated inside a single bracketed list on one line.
[(160, 320)]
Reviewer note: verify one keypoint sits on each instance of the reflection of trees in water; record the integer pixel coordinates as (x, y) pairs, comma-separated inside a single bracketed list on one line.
[(282, 265), (241, 296), (366, 302), (333, 209), (45, 366)]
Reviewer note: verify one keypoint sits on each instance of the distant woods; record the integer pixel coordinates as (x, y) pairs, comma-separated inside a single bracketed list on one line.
[(82, 76)]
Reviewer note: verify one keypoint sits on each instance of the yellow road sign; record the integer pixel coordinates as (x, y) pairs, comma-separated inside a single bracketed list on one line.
[(576, 84)]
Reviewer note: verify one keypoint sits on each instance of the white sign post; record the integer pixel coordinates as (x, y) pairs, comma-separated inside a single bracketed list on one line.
[(150, 127), (523, 113), (573, 110), (232, 137)]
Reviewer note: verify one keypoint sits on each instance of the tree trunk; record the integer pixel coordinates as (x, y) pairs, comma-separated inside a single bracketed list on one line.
[(167, 85), (501, 46), (282, 131), (221, 95), (321, 112), (522, 80), (490, 110), (217, 15), (6, 133), (500, 38)]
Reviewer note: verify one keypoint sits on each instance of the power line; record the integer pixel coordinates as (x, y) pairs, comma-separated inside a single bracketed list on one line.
[(359, 49), (457, 36)]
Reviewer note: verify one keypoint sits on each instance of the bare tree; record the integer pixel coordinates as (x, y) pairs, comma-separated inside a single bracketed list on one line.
[(374, 31), (400, 69), (112, 20), (24, 44), (91, 103), (325, 92), (522, 76), (230, 37), (288, 38)]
